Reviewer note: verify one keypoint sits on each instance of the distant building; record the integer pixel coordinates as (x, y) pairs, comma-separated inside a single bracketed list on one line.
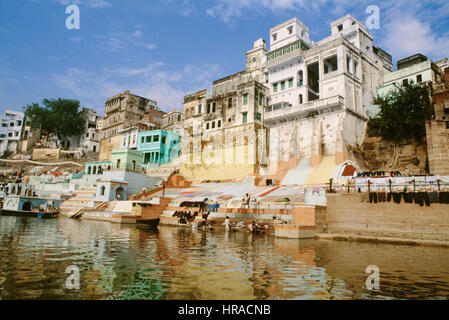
[(125, 109), (415, 69), (172, 122), (11, 131)]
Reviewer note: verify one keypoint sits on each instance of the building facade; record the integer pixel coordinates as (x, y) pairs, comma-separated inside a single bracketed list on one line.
[(172, 122), (11, 131), (415, 69), (158, 147), (437, 129), (126, 109)]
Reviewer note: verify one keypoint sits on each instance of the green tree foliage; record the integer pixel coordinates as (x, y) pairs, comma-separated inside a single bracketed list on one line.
[(402, 114), (61, 116)]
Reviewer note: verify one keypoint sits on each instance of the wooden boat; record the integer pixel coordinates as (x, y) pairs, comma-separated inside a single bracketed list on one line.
[(33, 214)]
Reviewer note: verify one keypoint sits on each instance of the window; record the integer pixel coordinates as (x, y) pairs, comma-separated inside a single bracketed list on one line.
[(87, 135), (275, 36), (164, 140), (142, 140), (330, 64), (340, 28), (419, 78), (405, 82), (230, 103), (348, 65), (245, 98), (219, 124), (199, 111), (213, 107), (10, 134), (290, 30), (290, 83), (356, 68), (11, 124), (148, 139), (275, 87), (124, 142), (266, 77), (179, 116), (260, 99), (207, 126), (4, 125), (282, 85), (156, 139), (259, 116), (213, 124), (19, 123), (300, 99), (245, 117), (208, 108)]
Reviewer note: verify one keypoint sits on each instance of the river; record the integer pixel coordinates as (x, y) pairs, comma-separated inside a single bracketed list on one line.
[(129, 262)]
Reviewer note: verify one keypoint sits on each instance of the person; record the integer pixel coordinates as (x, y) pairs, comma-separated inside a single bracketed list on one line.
[(227, 224), (252, 226), (246, 200)]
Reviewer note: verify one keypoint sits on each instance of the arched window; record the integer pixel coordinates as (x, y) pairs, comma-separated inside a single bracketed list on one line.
[(89, 170), (102, 190), (134, 165), (94, 171), (118, 164)]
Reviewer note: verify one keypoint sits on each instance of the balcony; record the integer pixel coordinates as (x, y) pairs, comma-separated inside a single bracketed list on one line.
[(284, 109)]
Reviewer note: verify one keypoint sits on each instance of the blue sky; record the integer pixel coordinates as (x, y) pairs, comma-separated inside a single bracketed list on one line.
[(165, 49)]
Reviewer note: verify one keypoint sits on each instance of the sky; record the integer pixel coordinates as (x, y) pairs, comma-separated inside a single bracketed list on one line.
[(165, 49)]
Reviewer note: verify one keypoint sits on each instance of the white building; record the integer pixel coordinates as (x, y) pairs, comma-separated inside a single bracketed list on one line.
[(11, 131), (414, 69), (129, 137), (321, 97)]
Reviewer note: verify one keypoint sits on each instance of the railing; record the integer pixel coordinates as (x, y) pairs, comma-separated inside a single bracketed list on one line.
[(127, 167), (302, 108)]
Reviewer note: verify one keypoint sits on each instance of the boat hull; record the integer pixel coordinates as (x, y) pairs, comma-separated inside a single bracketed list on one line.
[(30, 214)]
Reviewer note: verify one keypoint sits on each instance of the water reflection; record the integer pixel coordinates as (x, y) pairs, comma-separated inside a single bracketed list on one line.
[(127, 262)]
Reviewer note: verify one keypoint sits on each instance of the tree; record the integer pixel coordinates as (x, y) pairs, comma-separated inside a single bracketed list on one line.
[(403, 113), (61, 116)]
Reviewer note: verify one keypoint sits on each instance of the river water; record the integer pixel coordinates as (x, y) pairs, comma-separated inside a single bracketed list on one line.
[(128, 262)]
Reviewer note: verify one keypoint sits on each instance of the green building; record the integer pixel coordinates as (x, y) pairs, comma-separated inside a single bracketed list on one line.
[(126, 160), (158, 147)]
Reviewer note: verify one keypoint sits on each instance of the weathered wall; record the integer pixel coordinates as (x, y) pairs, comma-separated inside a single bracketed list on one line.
[(347, 213), (376, 154), (107, 146), (46, 154), (438, 147)]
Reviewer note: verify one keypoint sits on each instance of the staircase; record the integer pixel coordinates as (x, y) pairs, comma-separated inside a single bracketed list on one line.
[(155, 211), (83, 198)]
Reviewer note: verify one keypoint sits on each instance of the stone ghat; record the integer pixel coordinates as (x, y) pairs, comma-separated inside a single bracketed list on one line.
[(287, 221)]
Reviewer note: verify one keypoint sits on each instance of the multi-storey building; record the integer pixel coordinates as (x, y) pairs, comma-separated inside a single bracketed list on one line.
[(222, 132), (11, 131), (414, 69), (172, 122), (126, 109), (321, 96), (316, 98)]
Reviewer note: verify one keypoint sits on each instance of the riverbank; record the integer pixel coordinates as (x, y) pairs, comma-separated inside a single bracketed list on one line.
[(382, 239)]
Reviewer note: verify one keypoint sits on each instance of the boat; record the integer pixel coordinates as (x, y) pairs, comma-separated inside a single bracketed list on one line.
[(32, 214)]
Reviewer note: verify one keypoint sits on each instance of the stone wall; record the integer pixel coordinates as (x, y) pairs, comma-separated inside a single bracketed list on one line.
[(347, 213), (438, 147)]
